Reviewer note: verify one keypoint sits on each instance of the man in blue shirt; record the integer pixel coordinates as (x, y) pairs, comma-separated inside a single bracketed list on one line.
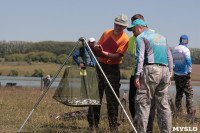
[(154, 65), (80, 53), (182, 74)]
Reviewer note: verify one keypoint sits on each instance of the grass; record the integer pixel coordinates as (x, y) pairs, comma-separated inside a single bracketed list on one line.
[(25, 69), (51, 68), (195, 72), (16, 104)]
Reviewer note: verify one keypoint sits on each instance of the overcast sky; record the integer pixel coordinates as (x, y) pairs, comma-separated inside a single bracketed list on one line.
[(67, 20)]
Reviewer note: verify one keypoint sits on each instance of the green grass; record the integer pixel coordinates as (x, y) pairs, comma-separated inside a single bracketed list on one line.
[(16, 104)]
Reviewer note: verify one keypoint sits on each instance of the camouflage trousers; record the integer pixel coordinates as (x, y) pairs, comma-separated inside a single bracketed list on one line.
[(154, 81), (113, 74), (132, 94), (183, 85)]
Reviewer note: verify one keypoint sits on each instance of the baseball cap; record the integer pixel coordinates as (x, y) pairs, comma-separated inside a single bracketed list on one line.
[(48, 76), (184, 38), (91, 39), (121, 20), (136, 22)]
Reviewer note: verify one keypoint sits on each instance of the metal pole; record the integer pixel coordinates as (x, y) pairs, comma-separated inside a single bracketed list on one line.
[(48, 86), (41, 91), (83, 39)]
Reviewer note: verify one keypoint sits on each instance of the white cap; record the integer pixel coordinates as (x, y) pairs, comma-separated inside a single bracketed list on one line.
[(48, 76), (91, 39), (121, 20)]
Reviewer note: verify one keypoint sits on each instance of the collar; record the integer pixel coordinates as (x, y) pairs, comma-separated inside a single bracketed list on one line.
[(181, 43), (146, 29)]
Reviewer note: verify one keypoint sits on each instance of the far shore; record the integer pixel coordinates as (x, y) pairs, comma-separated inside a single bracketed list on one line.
[(26, 70)]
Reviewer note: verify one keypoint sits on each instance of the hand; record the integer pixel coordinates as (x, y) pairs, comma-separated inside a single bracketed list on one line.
[(82, 39), (81, 64), (169, 83), (187, 75), (105, 54), (137, 83), (98, 48)]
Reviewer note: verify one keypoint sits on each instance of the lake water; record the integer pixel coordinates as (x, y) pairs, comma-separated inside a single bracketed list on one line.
[(25, 81), (36, 82), (172, 91)]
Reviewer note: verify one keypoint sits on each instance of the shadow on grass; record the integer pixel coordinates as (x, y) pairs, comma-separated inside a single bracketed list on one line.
[(62, 128)]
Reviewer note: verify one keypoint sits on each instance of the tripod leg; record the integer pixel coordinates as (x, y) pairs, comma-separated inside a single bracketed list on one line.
[(37, 103)]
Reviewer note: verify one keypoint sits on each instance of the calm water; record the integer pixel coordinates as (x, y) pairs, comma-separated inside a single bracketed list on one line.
[(25, 81), (36, 82), (172, 92)]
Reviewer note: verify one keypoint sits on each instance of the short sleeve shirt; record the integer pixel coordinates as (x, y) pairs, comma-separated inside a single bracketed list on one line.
[(122, 42)]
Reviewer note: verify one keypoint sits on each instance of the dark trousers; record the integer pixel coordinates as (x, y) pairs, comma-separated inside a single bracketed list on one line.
[(183, 85), (132, 94), (113, 74)]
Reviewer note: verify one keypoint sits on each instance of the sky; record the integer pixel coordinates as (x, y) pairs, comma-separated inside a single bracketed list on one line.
[(68, 20)]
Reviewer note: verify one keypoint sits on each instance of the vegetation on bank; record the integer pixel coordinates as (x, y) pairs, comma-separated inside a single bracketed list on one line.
[(40, 58), (39, 69), (27, 70), (56, 52)]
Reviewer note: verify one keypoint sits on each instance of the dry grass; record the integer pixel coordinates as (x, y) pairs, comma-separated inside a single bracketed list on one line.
[(24, 68), (195, 69), (195, 72), (16, 104), (51, 68)]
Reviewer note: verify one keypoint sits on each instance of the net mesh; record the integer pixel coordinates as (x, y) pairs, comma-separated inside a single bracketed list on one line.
[(78, 87)]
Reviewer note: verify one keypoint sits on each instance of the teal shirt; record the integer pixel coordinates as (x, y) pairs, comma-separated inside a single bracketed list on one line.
[(152, 47), (131, 46)]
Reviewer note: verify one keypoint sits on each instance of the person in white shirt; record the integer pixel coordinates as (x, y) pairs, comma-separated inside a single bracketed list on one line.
[(182, 74)]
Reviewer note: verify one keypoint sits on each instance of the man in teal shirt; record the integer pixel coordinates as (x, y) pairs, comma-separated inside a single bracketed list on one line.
[(132, 88), (152, 77)]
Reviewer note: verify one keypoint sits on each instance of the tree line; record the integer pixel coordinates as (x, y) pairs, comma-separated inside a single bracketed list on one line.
[(56, 52), (21, 47)]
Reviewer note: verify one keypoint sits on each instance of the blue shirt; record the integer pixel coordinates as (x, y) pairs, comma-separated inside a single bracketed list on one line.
[(89, 59), (152, 47), (182, 60)]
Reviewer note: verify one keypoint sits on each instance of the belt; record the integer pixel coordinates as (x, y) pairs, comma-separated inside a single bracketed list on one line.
[(157, 64)]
